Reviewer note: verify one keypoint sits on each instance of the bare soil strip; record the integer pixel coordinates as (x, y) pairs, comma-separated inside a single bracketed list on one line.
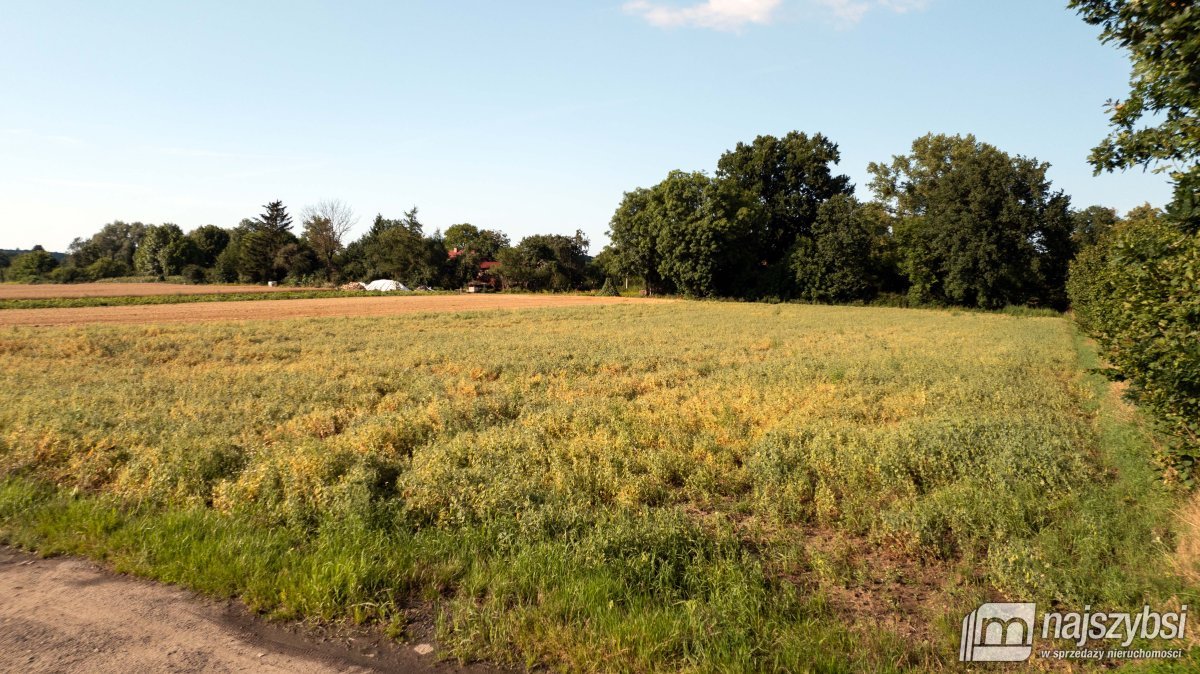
[(67, 615), (43, 291), (280, 309)]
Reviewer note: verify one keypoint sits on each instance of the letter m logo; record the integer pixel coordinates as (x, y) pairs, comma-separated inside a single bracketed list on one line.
[(998, 633)]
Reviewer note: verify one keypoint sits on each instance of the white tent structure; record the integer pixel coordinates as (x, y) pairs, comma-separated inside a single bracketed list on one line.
[(384, 285)]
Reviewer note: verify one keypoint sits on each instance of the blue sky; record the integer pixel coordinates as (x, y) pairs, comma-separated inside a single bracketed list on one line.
[(530, 117)]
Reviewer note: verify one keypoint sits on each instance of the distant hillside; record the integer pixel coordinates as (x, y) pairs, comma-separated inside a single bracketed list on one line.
[(17, 251)]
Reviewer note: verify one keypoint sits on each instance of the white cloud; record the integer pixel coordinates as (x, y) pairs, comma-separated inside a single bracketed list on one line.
[(715, 14), (732, 15), (852, 11)]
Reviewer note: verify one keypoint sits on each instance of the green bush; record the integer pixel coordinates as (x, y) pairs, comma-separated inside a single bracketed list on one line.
[(1137, 291), (195, 274), (226, 267), (107, 267), (70, 274)]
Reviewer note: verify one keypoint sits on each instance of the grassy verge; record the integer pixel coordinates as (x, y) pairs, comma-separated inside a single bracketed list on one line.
[(524, 604), (649, 487)]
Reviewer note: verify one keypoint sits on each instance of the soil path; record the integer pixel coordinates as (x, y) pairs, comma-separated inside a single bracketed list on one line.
[(312, 308), (68, 615)]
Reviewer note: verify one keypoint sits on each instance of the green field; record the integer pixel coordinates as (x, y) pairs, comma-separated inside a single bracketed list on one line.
[(648, 487)]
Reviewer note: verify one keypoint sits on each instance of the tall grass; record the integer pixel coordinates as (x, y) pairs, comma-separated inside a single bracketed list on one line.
[(647, 487)]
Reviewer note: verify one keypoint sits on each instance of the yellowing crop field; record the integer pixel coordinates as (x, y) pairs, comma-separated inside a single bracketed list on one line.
[(632, 487)]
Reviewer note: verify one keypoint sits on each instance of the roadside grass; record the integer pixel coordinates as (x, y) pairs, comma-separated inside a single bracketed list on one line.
[(643, 487), (522, 608)]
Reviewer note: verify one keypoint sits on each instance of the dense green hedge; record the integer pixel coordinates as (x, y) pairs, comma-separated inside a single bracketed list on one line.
[(1137, 291)]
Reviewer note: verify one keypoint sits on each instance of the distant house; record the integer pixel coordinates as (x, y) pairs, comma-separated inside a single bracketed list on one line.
[(486, 279)]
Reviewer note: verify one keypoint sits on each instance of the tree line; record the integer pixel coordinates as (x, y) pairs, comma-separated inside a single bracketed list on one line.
[(954, 222), (269, 248)]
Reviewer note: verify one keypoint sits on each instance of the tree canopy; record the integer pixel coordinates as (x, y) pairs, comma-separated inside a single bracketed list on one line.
[(470, 248), (790, 177), (732, 234), (705, 231), (633, 231), (326, 223), (117, 241), (545, 262), (397, 249), (975, 226), (163, 251), (1090, 224), (36, 265), (1156, 123), (843, 259), (209, 241)]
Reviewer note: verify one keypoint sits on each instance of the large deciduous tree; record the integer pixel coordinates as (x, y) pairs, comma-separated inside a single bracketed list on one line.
[(209, 241), (842, 260), (466, 237), (117, 241), (976, 226), (705, 227), (163, 251), (1090, 224), (734, 234), (545, 262), (633, 231), (1156, 123), (30, 267), (790, 177)]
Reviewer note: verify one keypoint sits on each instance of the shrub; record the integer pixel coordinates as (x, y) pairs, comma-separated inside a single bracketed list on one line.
[(195, 274), (108, 268), (70, 274), (1137, 291)]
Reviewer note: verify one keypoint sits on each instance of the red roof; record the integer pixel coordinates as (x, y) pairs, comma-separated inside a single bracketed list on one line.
[(489, 264)]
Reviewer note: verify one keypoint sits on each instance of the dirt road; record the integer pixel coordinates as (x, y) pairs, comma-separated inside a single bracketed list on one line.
[(68, 615), (276, 309), (39, 291)]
